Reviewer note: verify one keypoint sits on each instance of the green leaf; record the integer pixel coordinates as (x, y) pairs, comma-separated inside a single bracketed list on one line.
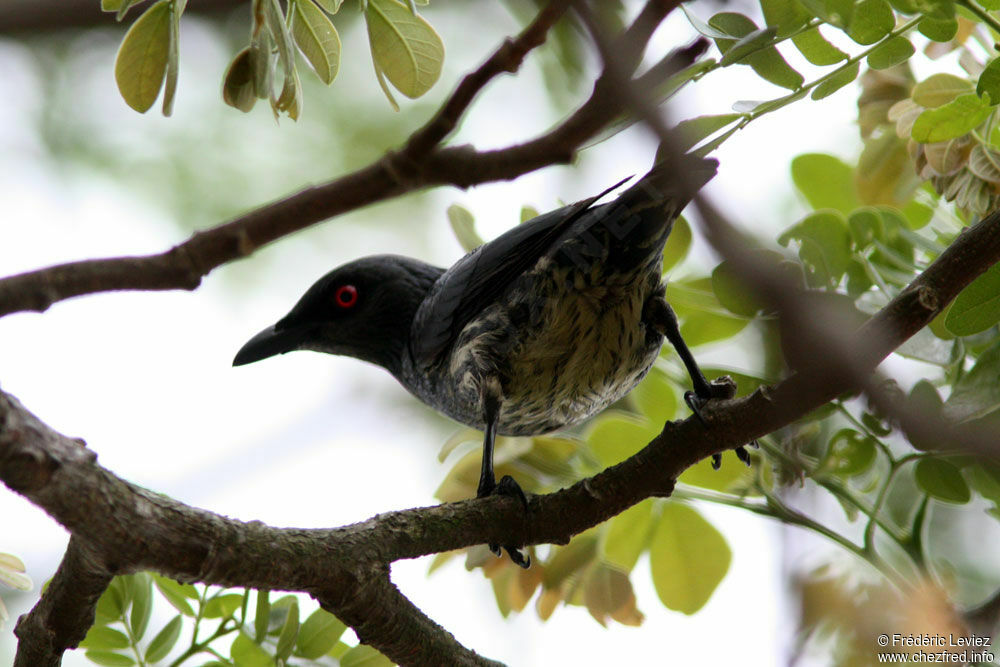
[(120, 7), (732, 292), (751, 48), (703, 319), (142, 58), (141, 588), (977, 393), (176, 593), (628, 535), (917, 214), (463, 224), (109, 659), (164, 641), (222, 606), (701, 327), (111, 605), (688, 558), (939, 30), (849, 453), (977, 307), (989, 82), (785, 16), (825, 181), (892, 51), (654, 397), (364, 655), (937, 9), (246, 653), (842, 77), (615, 436), (319, 633), (405, 48), (704, 28), (817, 50), (939, 89), (568, 559), (866, 226), (694, 130), (726, 478), (839, 12), (751, 42), (318, 40), (825, 246), (771, 66), (985, 479), (330, 6), (942, 480), (289, 633), (873, 20), (103, 637), (678, 244), (858, 280)]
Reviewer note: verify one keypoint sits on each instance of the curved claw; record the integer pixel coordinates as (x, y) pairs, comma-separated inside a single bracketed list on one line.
[(509, 487), (694, 401), (743, 455), (716, 461)]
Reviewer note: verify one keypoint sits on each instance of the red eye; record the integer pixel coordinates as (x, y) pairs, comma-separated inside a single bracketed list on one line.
[(346, 296)]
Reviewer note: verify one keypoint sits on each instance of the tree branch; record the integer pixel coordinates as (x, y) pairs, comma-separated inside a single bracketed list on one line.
[(31, 17), (420, 164), (118, 527)]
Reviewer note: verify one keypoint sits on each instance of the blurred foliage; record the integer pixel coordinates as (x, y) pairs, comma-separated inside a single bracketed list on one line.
[(406, 51), (267, 633), (874, 227), (12, 575), (930, 165)]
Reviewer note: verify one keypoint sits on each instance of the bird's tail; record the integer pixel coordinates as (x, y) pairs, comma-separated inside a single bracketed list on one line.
[(630, 231), (671, 183)]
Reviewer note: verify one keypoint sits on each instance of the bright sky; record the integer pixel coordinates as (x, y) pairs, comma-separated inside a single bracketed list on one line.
[(315, 441)]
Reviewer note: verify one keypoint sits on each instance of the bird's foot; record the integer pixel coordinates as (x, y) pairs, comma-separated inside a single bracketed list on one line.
[(724, 388), (510, 488), (741, 453)]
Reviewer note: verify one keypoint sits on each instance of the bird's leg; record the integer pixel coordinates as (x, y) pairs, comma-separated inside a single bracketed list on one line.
[(488, 485), (662, 317)]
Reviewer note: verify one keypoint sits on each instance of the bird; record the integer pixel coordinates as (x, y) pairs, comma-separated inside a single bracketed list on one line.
[(534, 331)]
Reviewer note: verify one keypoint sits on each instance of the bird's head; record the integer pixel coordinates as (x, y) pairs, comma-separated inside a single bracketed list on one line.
[(362, 309)]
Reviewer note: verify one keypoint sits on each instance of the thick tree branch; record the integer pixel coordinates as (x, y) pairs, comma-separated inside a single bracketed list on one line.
[(27, 18), (118, 527), (420, 164)]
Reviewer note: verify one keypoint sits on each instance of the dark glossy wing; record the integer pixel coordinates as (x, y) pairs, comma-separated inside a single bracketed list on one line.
[(479, 278)]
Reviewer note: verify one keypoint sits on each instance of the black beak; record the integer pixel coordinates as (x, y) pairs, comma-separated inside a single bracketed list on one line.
[(269, 342)]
